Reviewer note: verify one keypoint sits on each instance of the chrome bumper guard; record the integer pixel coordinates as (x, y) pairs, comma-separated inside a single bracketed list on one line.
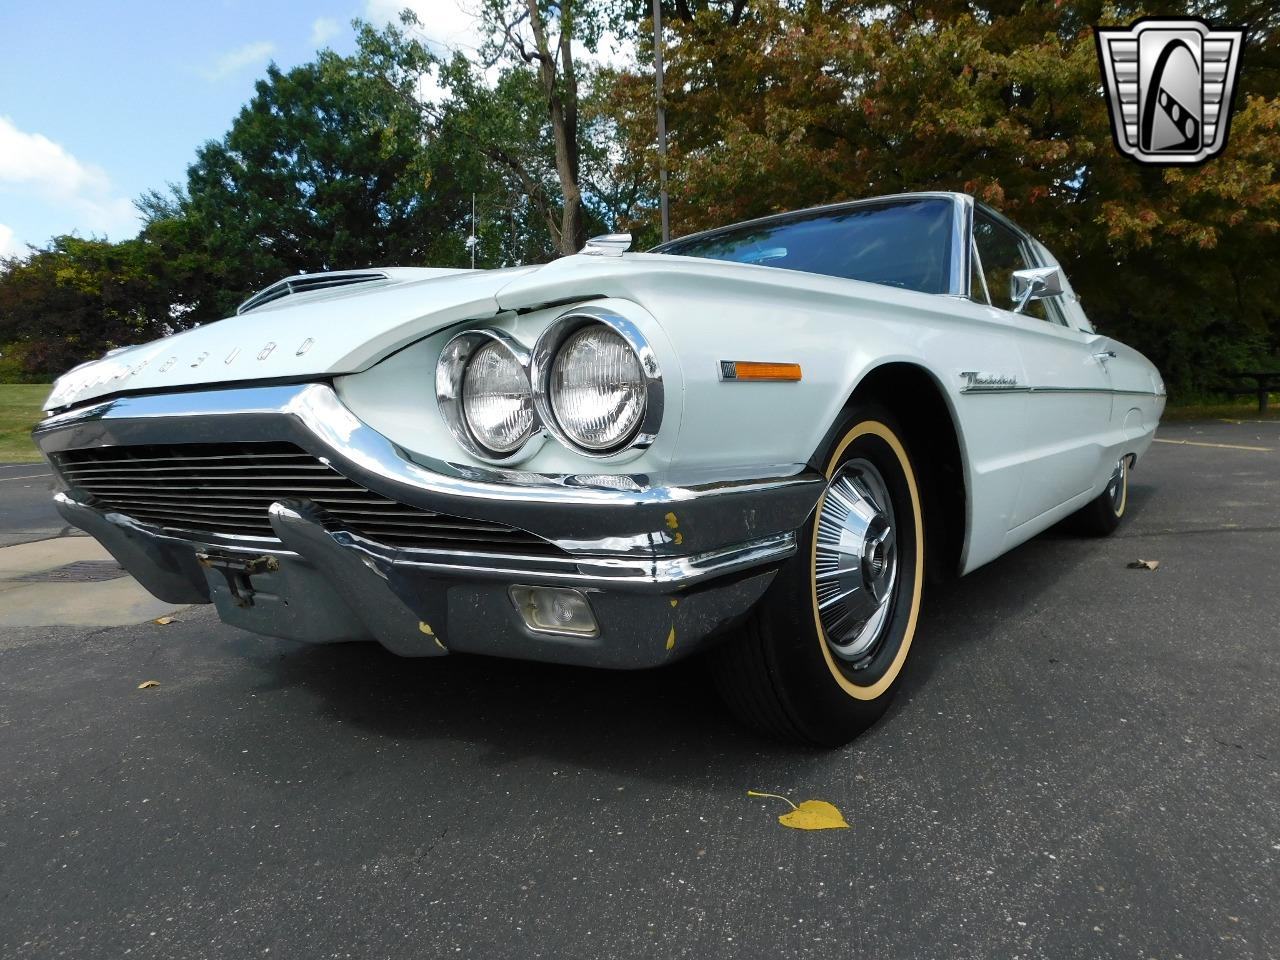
[(666, 565)]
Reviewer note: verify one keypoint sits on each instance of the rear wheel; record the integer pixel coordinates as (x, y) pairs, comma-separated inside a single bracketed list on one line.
[(822, 653), (1101, 516)]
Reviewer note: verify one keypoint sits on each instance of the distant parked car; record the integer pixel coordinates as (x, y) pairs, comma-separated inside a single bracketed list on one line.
[(753, 441)]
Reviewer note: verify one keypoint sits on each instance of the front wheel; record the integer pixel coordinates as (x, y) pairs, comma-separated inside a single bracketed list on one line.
[(822, 653)]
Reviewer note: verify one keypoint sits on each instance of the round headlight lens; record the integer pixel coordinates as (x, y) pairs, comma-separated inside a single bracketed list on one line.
[(496, 399), (597, 388)]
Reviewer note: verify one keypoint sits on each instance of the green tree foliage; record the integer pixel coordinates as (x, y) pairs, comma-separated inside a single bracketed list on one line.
[(524, 116), (489, 139), (790, 104), (76, 298), (772, 105), (322, 169)]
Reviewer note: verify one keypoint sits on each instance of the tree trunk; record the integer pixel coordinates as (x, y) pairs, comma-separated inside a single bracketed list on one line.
[(562, 109)]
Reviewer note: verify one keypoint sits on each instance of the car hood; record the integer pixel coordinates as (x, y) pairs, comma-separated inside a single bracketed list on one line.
[(321, 333), (341, 330)]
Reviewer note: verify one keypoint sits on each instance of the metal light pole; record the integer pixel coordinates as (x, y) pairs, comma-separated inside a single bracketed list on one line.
[(662, 120)]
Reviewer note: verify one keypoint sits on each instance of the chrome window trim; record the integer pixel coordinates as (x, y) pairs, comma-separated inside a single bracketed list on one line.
[(1057, 316), (977, 262), (451, 368), (962, 242), (543, 360)]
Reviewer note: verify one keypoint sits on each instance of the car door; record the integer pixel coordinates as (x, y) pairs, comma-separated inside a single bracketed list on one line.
[(1068, 409)]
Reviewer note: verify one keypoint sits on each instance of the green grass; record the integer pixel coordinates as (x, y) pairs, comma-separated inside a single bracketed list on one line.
[(19, 412), (1244, 409)]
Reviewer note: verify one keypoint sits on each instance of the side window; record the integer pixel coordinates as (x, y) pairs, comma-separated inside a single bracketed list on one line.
[(1002, 253)]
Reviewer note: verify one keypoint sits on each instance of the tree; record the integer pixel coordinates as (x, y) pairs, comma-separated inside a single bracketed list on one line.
[(320, 170), (74, 299), (552, 28), (533, 115), (801, 103)]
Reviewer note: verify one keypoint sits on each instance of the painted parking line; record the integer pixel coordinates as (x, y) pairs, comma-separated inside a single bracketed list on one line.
[(28, 476), (1220, 446)]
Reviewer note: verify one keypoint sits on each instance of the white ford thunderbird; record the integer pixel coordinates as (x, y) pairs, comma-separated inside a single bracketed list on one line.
[(758, 441)]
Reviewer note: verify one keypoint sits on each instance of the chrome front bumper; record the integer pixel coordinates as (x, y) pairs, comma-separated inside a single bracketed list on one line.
[(667, 564)]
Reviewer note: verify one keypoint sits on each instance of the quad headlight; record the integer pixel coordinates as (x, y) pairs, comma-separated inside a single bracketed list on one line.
[(596, 382), (482, 385), (496, 400), (597, 389), (591, 381)]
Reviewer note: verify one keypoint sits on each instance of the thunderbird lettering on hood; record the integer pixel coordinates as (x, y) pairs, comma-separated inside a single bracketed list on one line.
[(340, 330)]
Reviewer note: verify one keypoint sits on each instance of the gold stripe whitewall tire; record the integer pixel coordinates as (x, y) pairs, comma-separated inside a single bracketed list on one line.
[(823, 652), (879, 686)]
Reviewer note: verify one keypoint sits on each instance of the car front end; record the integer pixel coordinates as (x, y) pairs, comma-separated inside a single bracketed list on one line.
[(524, 501)]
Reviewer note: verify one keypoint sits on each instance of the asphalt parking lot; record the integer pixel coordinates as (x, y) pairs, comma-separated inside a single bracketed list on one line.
[(1084, 762)]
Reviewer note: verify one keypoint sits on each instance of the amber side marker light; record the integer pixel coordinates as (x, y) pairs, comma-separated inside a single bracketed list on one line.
[(758, 370)]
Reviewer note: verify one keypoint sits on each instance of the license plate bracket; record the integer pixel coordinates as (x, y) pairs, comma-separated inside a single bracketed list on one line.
[(237, 571)]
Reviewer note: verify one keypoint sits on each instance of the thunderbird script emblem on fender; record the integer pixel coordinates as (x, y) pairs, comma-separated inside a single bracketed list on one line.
[(1169, 84)]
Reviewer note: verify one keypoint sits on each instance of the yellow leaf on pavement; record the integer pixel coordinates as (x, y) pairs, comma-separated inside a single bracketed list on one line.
[(148, 684), (814, 815), (165, 621), (809, 815)]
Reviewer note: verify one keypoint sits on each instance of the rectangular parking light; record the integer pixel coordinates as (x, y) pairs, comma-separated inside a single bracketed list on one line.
[(737, 370), (558, 610)]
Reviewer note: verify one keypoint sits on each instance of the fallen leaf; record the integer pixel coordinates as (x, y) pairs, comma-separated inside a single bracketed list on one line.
[(814, 815), (1144, 565), (148, 684), (809, 815), (165, 621)]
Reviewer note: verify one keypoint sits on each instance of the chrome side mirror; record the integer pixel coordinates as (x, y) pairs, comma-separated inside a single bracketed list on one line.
[(1036, 283)]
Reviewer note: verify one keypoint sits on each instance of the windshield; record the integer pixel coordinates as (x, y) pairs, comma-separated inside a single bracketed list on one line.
[(901, 243)]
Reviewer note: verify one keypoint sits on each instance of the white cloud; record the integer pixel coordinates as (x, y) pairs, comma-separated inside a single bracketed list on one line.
[(9, 245), (33, 159), (42, 169), (323, 30), (449, 25), (233, 61), (446, 25)]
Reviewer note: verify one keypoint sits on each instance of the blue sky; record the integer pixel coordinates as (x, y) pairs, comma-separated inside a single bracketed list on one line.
[(101, 101)]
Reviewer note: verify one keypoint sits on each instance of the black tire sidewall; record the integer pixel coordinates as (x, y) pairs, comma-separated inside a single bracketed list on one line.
[(826, 712), (1099, 517)]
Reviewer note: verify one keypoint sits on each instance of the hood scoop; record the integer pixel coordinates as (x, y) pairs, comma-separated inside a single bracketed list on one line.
[(306, 282)]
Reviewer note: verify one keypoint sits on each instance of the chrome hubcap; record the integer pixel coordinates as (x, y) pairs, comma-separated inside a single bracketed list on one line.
[(1115, 486), (856, 560)]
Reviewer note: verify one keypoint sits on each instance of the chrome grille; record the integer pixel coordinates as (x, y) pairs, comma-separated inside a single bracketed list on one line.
[(227, 488)]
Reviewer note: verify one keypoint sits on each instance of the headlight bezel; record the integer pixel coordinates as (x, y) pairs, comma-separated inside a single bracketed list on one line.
[(451, 369), (543, 358)]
